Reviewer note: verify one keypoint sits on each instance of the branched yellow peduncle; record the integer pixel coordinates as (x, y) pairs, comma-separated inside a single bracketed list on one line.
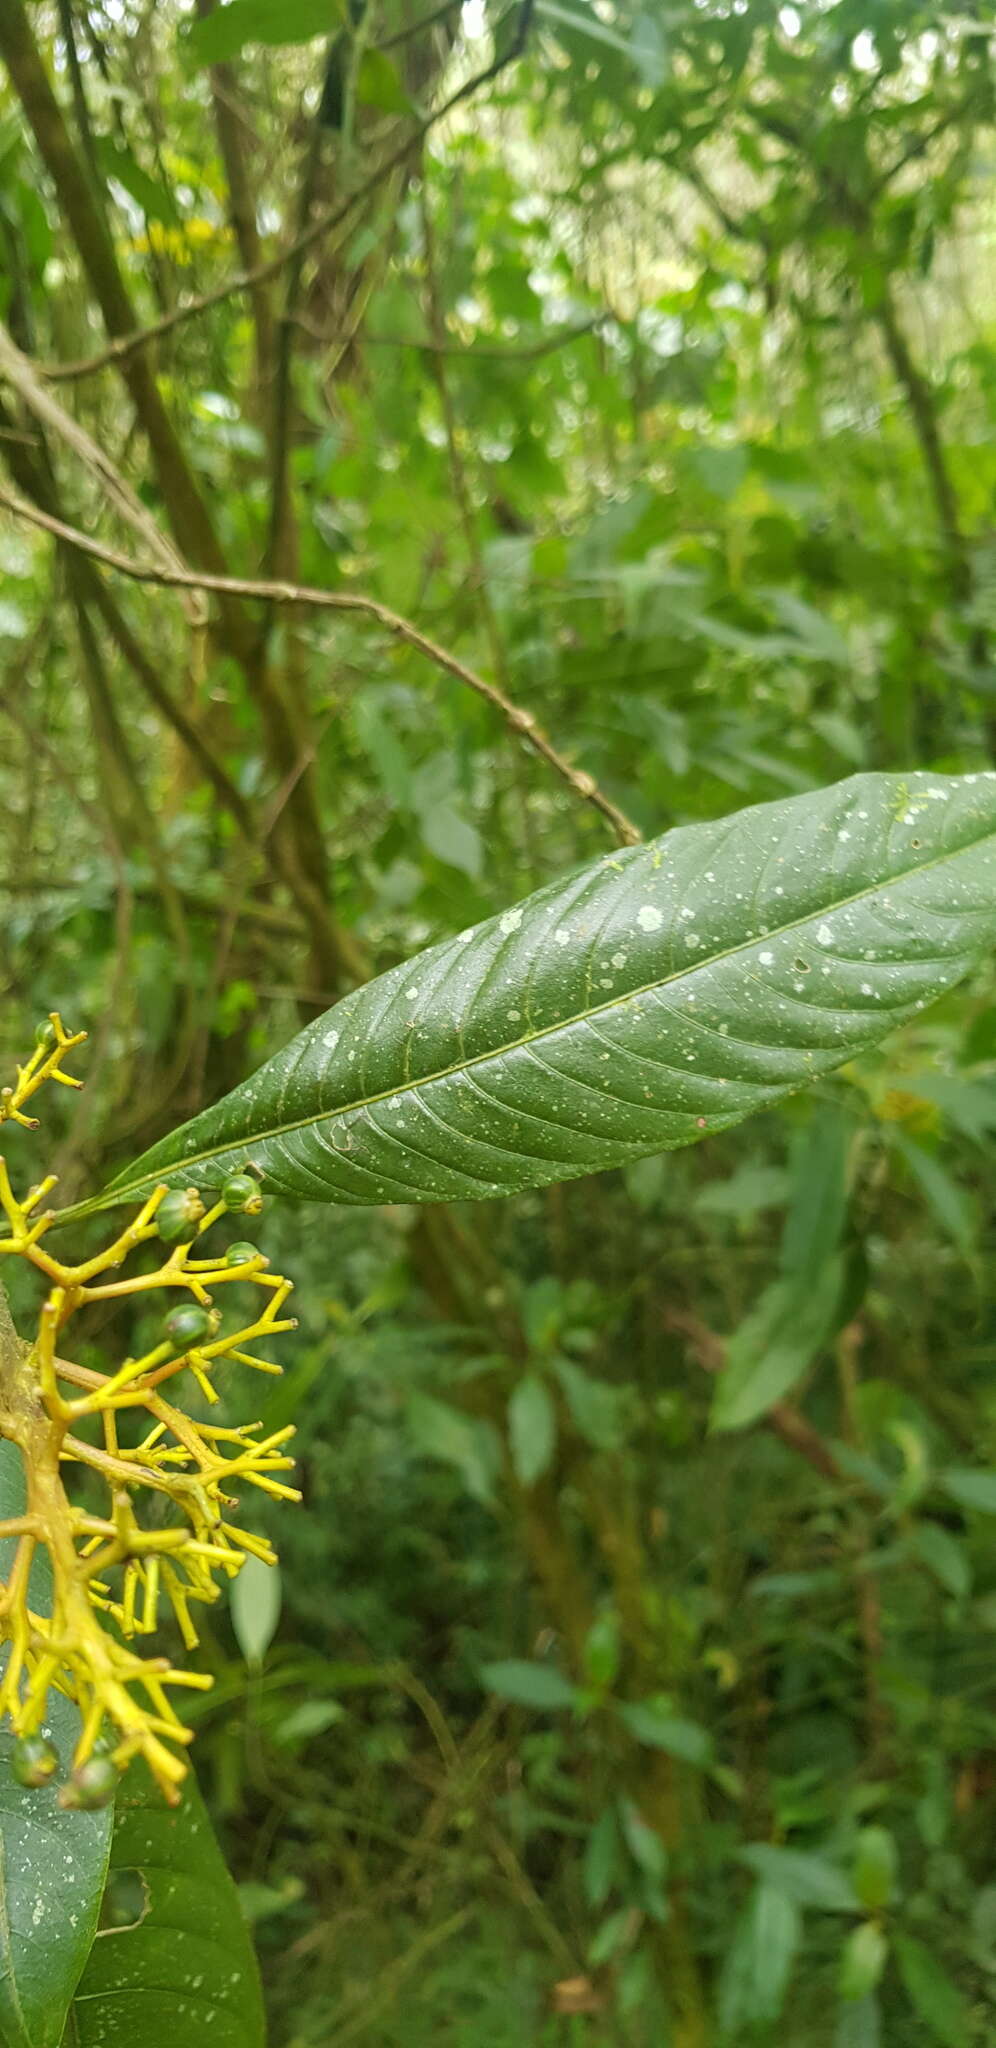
[(110, 1574)]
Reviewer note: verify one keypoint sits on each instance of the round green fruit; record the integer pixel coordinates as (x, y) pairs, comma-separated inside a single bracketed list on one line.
[(188, 1325), (240, 1254), (33, 1760), (240, 1191), (91, 1786), (46, 1035), (178, 1214)]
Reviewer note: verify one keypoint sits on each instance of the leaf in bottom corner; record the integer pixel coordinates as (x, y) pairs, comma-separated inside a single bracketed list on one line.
[(181, 1973)]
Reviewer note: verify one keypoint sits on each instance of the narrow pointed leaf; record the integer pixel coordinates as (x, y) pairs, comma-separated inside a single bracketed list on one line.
[(661, 993)]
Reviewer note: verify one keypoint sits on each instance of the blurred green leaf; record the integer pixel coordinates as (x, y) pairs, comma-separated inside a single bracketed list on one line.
[(808, 1878), (970, 1489), (218, 37), (439, 1431), (758, 1965), (875, 1865), (657, 1730), (532, 1429), (934, 1998), (530, 1685), (603, 1651), (255, 1607), (862, 1960), (775, 1345)]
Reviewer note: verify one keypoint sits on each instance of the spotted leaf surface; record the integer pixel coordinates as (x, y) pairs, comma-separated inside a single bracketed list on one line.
[(173, 1965), (659, 994)]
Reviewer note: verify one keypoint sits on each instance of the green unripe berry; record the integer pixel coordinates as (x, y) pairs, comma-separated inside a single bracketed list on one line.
[(188, 1325), (178, 1214), (240, 1254), (240, 1191), (33, 1760), (46, 1035), (91, 1786)]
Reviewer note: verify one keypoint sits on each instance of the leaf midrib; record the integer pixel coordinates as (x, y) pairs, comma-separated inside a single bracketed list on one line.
[(119, 1193)]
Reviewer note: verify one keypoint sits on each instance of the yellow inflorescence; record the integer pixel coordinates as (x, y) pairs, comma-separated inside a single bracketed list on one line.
[(110, 1574)]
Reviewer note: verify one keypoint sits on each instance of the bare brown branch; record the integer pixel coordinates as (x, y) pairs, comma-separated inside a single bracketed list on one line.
[(518, 720)]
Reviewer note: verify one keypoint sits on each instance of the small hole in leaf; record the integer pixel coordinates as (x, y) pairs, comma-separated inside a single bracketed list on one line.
[(125, 1902), (916, 842), (801, 966)]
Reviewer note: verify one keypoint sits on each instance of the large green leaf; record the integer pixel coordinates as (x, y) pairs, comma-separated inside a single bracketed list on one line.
[(661, 993), (181, 1972), (52, 1864), (227, 31)]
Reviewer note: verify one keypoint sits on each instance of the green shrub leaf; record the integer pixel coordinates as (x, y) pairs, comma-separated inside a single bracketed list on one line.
[(180, 1972), (223, 34), (931, 1993), (530, 1685), (658, 1730), (662, 993), (532, 1429)]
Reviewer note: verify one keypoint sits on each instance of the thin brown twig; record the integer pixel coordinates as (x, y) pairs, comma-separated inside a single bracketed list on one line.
[(126, 345), (470, 351), (20, 373), (519, 721)]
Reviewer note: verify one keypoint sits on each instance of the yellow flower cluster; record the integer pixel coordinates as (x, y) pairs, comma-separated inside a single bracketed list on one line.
[(110, 1572)]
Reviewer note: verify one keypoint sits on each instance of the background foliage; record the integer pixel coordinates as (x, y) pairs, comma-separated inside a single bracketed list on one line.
[(609, 1700)]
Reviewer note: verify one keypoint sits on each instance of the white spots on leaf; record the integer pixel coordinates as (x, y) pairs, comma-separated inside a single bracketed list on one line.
[(513, 1016), (843, 834), (618, 960), (464, 938), (649, 918), (693, 941), (411, 995), (561, 936), (767, 959), (824, 936), (330, 1040), (510, 920)]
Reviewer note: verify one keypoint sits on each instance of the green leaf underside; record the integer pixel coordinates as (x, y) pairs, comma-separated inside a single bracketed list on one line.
[(52, 1864), (661, 993)]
